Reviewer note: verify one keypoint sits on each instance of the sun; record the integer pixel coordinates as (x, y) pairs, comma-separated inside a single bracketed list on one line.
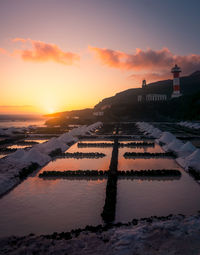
[(49, 105), (50, 110)]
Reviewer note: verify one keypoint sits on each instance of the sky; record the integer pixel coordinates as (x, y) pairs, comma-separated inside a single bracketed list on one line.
[(58, 55)]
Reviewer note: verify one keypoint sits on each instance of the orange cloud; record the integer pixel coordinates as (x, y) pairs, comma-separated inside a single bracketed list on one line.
[(138, 61), (109, 57), (149, 60), (43, 52), (20, 40)]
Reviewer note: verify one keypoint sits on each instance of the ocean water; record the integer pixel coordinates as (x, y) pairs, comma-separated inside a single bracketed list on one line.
[(7, 121)]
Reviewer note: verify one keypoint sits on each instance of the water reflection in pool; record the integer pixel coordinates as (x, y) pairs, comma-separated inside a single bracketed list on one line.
[(143, 198), (40, 206), (16, 146), (154, 149), (36, 140), (49, 205), (62, 164), (141, 163)]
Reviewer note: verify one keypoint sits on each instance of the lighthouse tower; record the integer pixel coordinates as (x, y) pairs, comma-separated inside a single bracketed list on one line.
[(176, 81)]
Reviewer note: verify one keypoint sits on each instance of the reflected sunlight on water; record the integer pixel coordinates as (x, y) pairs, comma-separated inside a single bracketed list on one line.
[(61, 164), (36, 140), (16, 146), (148, 163)]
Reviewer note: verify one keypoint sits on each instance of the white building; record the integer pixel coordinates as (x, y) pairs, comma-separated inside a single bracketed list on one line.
[(151, 98), (139, 98), (156, 97), (98, 113)]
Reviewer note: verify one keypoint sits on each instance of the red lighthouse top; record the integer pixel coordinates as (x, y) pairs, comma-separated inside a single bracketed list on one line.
[(176, 69)]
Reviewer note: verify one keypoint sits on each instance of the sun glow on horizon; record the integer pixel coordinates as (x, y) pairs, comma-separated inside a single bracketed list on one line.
[(50, 110)]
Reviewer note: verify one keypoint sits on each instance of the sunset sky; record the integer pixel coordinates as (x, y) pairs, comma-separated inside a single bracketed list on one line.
[(58, 55)]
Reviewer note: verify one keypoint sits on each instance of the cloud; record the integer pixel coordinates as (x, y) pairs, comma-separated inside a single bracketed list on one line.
[(20, 40), (141, 60), (109, 57), (44, 52), (154, 61), (150, 77), (3, 51)]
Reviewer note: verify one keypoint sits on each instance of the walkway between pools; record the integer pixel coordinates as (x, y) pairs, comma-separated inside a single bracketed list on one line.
[(109, 208), (108, 214)]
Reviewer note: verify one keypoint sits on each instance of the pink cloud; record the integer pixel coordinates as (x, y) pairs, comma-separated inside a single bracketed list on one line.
[(154, 61), (43, 52), (109, 57), (3, 51), (150, 77)]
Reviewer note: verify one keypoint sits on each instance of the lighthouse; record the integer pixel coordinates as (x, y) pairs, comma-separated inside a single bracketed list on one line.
[(176, 81)]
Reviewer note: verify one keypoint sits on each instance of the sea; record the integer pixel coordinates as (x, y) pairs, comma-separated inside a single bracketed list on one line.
[(22, 120)]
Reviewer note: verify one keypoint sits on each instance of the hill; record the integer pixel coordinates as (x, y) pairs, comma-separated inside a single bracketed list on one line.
[(70, 117), (189, 85), (124, 106), (74, 113)]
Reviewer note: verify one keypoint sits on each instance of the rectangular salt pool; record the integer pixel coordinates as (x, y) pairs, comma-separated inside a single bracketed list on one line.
[(156, 197), (16, 146), (147, 163), (36, 140), (45, 206), (144, 197), (61, 164), (144, 163), (156, 148)]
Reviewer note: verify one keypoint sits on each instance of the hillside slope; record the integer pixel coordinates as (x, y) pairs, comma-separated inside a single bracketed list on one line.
[(124, 106), (189, 85)]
